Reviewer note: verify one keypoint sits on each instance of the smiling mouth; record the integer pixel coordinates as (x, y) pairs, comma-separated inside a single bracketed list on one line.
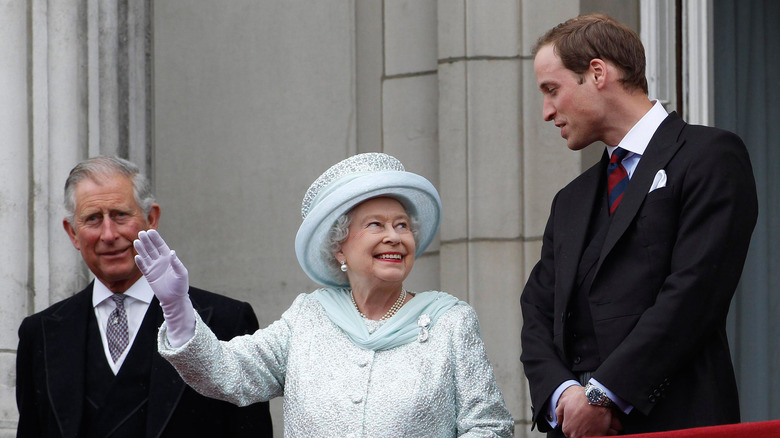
[(114, 253), (389, 257)]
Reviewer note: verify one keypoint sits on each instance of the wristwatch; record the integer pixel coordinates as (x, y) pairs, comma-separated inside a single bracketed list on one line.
[(597, 397)]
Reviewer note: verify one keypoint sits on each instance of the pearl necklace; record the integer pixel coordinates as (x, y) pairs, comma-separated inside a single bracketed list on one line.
[(393, 309)]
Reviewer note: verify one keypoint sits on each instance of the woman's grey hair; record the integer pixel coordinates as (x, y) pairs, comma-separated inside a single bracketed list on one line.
[(106, 166), (338, 234)]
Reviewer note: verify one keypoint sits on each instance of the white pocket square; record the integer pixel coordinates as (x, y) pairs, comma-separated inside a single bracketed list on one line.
[(659, 181)]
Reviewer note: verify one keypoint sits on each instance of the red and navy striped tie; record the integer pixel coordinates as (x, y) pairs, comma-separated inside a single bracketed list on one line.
[(617, 178)]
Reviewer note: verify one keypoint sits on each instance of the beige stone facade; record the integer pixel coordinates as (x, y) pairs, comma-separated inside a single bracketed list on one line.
[(234, 108)]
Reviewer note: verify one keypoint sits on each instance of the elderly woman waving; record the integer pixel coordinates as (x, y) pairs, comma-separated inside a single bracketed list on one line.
[(361, 356)]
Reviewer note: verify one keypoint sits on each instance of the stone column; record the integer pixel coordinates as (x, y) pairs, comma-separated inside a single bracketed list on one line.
[(90, 76), (15, 208), (548, 164), (409, 105), (76, 75), (481, 174), (496, 156)]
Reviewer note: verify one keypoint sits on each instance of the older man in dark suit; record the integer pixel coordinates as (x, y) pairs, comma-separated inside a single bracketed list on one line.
[(88, 366), (625, 313)]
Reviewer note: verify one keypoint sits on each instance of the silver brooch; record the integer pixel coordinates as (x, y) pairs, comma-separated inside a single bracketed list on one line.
[(423, 321)]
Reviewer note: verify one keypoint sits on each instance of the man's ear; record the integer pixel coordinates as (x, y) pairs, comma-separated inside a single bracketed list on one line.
[(153, 218), (598, 72), (71, 232)]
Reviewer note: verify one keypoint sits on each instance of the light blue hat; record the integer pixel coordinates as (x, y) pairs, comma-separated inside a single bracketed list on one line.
[(347, 184)]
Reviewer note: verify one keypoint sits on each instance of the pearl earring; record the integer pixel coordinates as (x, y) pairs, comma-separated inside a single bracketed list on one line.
[(344, 266)]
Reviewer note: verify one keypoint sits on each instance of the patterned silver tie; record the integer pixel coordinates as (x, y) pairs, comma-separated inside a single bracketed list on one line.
[(116, 328)]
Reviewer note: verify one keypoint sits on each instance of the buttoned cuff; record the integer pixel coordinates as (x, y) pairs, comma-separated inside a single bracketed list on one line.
[(551, 417)]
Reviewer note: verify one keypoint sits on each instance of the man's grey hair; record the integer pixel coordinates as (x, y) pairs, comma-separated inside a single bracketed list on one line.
[(338, 234), (99, 167)]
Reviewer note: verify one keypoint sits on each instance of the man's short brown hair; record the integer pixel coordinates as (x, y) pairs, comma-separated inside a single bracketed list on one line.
[(582, 39)]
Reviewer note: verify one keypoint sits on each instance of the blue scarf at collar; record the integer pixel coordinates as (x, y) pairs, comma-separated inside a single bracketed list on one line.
[(400, 329)]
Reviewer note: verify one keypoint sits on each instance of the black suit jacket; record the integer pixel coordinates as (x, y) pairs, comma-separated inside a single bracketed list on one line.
[(50, 381), (666, 274)]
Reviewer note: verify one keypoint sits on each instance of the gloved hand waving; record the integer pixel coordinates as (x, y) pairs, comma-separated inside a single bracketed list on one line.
[(170, 282)]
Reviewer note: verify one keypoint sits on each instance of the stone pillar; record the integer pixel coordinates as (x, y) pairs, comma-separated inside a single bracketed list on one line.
[(495, 160), (15, 208), (89, 88), (76, 75), (481, 168), (409, 105), (548, 164)]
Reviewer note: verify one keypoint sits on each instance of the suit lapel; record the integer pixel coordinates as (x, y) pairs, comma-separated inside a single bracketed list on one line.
[(662, 147), (65, 337), (165, 386), (575, 216)]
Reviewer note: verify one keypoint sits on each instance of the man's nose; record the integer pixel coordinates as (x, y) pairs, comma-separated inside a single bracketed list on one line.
[(108, 229), (548, 111)]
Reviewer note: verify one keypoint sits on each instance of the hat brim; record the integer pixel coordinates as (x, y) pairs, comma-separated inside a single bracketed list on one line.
[(415, 193)]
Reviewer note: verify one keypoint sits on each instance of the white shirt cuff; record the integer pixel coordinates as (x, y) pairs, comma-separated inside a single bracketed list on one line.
[(624, 406), (551, 417)]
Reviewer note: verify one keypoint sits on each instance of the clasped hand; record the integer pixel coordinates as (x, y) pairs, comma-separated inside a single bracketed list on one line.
[(163, 270), (580, 419)]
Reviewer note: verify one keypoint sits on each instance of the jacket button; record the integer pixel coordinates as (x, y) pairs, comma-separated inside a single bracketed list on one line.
[(651, 398), (577, 359)]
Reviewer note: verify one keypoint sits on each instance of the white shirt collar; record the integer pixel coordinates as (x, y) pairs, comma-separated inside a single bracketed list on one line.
[(140, 290), (639, 136)]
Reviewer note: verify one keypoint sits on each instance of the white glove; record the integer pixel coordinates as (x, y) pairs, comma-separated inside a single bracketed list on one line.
[(170, 282)]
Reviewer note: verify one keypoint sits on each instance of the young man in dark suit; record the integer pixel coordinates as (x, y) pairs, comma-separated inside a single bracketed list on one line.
[(88, 366), (625, 314)]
